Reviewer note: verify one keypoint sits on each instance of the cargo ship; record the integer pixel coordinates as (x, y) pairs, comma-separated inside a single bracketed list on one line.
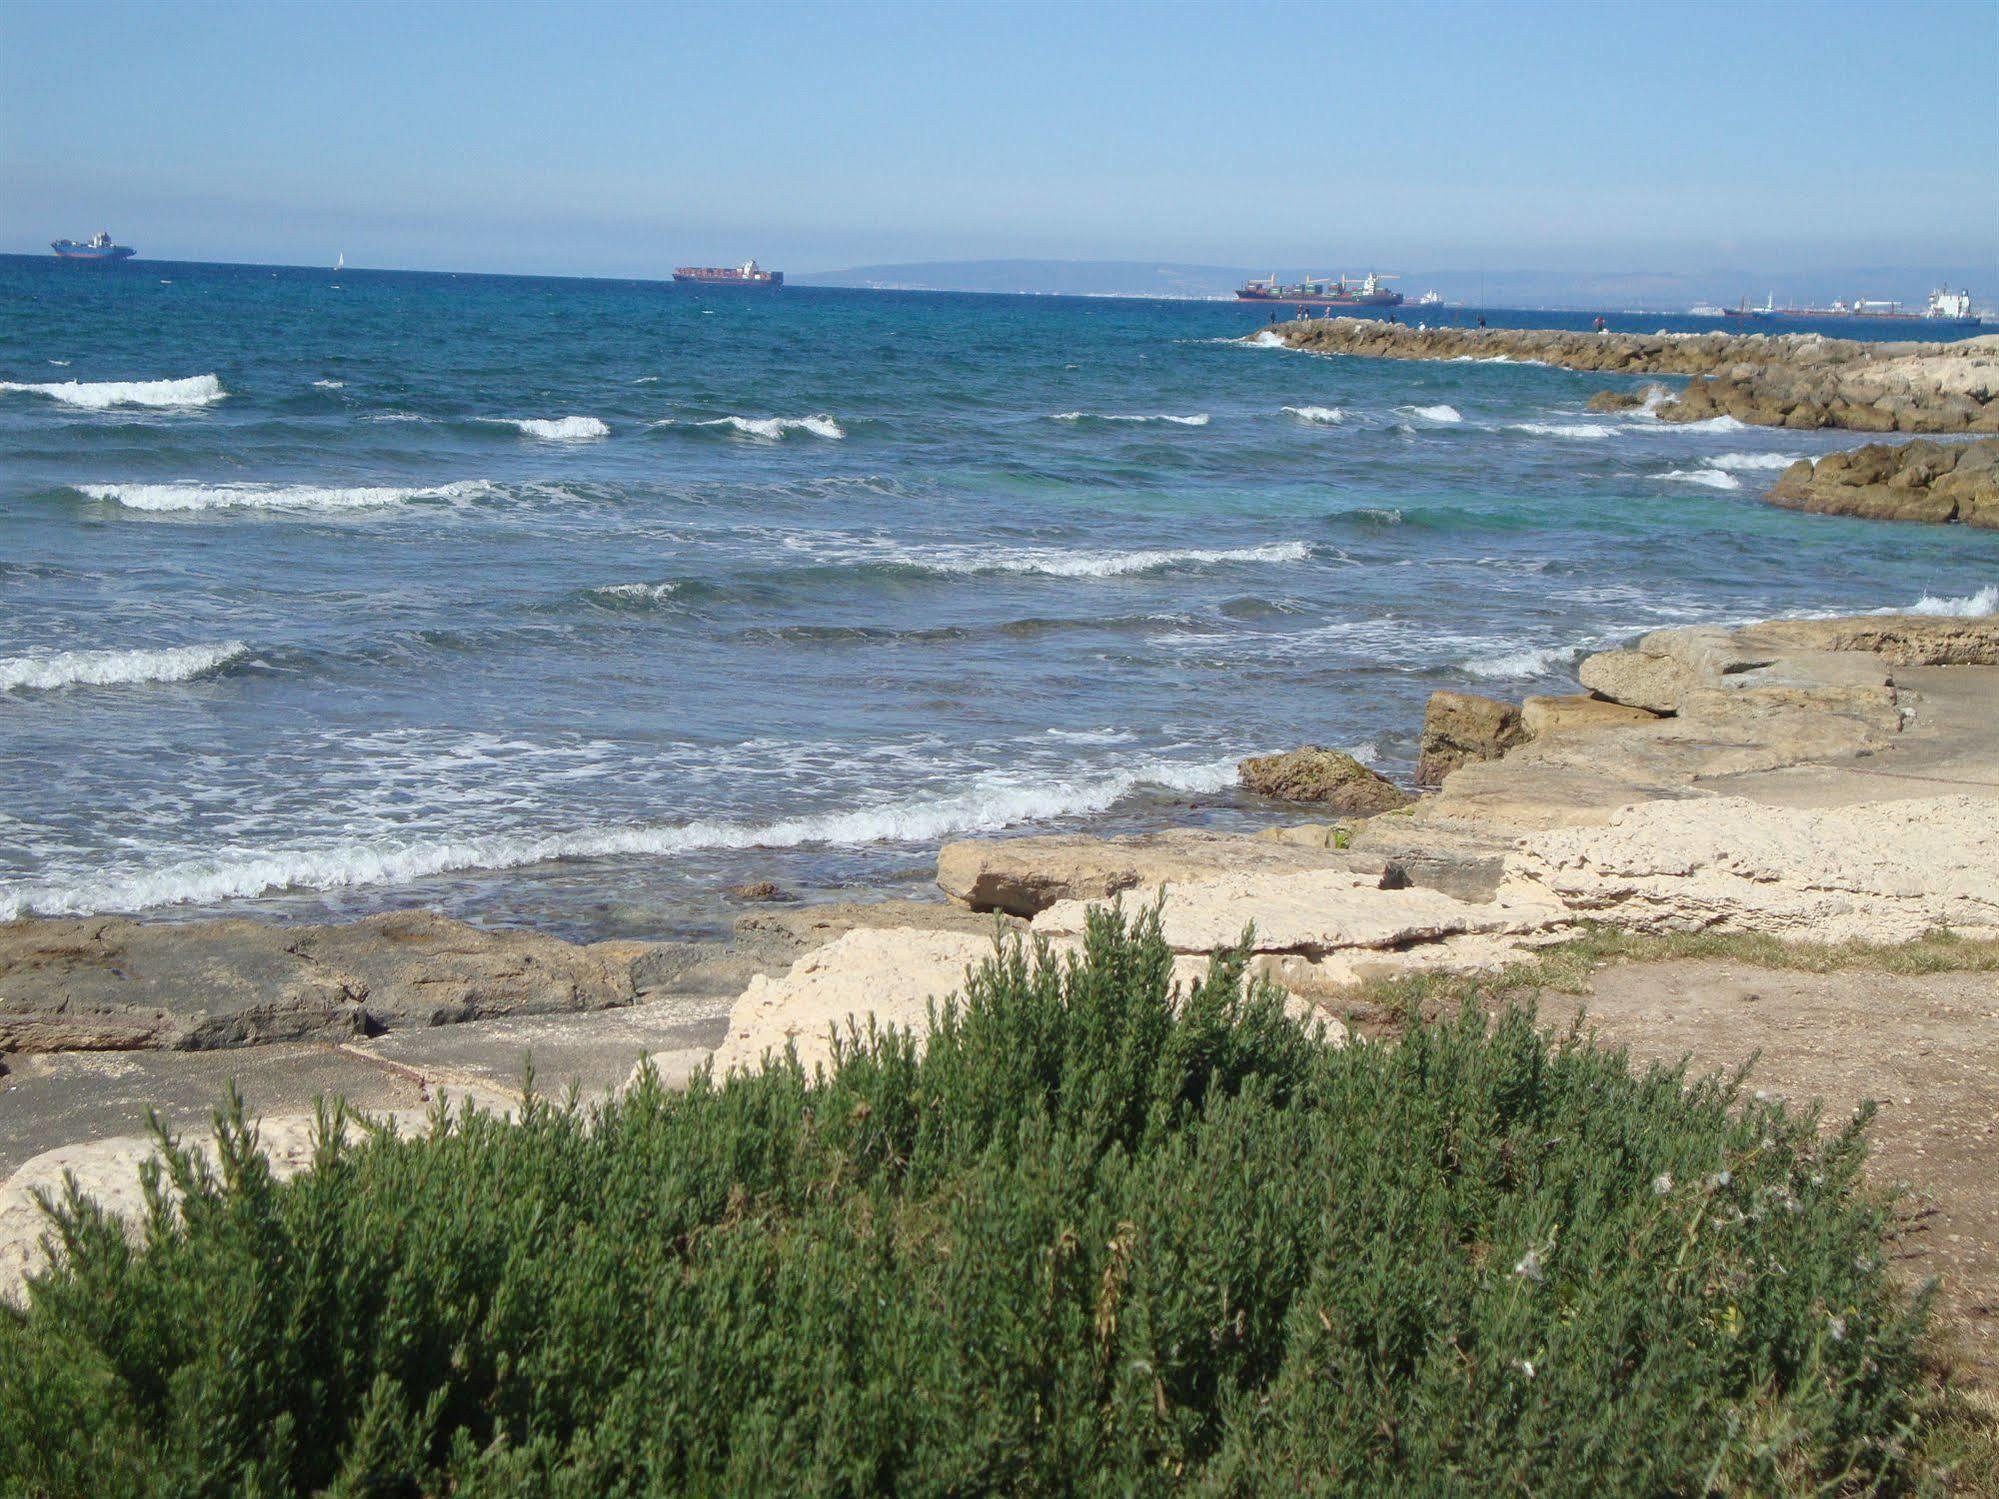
[(748, 274), (1950, 308), (98, 249), (1323, 291)]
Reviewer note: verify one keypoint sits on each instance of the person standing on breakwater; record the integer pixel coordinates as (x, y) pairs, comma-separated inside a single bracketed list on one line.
[(1601, 325)]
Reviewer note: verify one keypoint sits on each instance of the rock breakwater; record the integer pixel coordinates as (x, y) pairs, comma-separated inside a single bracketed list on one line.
[(1774, 380)]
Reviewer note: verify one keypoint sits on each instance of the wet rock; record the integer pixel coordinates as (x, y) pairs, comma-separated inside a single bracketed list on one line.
[(758, 891), (1329, 777), (1459, 727)]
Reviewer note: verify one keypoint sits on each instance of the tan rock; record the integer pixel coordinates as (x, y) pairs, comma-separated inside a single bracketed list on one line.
[(891, 973), (1460, 727), (1025, 875), (109, 983), (1312, 913), (1877, 872), (1578, 714), (1330, 777)]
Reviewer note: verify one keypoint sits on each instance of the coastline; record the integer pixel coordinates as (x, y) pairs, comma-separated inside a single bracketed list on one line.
[(1820, 780), (1796, 380)]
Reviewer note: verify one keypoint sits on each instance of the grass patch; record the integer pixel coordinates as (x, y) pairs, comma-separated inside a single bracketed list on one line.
[(1090, 1240)]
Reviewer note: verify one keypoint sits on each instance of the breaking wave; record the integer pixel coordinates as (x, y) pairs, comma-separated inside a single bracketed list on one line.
[(1198, 419), (50, 670), (1535, 661), (1056, 563), (767, 427), (1985, 601), (162, 497), (1587, 431), (1739, 462), (554, 429), (331, 384), (1324, 416), (1446, 414), (1263, 338), (992, 801), (1712, 478), (100, 395), (632, 593)]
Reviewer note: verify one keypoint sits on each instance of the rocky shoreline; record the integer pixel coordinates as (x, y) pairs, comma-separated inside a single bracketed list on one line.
[(1825, 779), (1776, 380)]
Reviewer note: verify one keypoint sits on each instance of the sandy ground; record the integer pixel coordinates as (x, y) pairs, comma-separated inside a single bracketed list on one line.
[(1925, 1049)]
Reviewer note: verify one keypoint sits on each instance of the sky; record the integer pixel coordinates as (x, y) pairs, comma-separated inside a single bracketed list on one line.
[(620, 139)]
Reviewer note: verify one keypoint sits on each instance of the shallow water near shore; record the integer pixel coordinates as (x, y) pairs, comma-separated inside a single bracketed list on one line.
[(570, 603)]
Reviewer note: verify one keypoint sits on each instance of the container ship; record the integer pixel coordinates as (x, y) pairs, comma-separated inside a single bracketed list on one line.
[(1950, 308), (1323, 291), (748, 274), (98, 248)]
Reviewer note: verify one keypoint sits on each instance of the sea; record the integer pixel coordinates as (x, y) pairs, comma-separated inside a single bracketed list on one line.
[(573, 603)]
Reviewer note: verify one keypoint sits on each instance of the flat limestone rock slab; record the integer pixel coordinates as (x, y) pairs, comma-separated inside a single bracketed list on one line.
[(1882, 872), (1313, 912), (1024, 876), (110, 983)]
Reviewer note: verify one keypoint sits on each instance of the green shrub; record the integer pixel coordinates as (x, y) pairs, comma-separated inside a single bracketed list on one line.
[(1089, 1240)]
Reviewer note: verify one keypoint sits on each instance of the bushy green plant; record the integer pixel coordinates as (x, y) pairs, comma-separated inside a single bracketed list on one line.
[(1095, 1238)]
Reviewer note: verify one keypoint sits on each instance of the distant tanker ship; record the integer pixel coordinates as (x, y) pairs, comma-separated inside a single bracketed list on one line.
[(1323, 291), (98, 248), (748, 274), (1945, 306)]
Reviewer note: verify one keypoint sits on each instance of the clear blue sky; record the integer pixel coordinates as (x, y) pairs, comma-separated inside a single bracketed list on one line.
[(614, 139)]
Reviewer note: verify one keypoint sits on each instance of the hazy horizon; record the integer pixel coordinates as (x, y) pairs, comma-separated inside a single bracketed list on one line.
[(595, 141)]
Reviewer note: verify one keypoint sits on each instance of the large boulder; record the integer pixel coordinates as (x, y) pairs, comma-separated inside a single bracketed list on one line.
[(1917, 481), (1459, 727), (1330, 778)]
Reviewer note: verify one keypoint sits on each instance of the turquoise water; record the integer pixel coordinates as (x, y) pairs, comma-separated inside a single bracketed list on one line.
[(572, 602)]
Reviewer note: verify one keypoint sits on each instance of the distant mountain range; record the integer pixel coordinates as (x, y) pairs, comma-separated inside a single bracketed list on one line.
[(1674, 291)]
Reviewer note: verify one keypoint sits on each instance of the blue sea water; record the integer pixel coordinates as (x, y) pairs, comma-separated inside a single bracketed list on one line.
[(572, 602)]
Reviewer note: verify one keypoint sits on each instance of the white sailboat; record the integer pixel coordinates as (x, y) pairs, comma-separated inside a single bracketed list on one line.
[(339, 261)]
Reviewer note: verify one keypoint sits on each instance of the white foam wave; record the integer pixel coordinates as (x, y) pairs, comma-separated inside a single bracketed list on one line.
[(991, 802), (1446, 414), (1740, 462), (1585, 431), (1708, 424), (553, 429), (1263, 338), (331, 384), (651, 591), (1712, 478), (46, 671), (1324, 416), (164, 497), (1064, 564), (1198, 419), (1534, 661), (396, 416), (100, 395), (1985, 601), (819, 425)]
